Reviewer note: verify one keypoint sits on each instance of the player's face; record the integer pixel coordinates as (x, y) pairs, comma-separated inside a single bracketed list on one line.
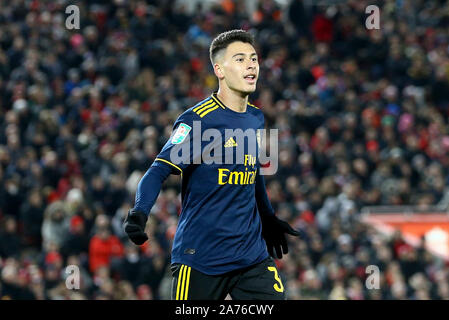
[(240, 67)]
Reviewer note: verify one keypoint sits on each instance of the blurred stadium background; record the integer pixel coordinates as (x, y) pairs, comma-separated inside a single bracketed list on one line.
[(364, 140)]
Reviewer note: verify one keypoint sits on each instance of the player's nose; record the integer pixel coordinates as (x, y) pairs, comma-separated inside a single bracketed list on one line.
[(251, 66)]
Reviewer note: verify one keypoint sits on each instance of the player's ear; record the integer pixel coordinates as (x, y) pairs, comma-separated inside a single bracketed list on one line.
[(218, 70)]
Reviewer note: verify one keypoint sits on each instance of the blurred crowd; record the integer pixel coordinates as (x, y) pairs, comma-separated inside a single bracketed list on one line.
[(362, 116)]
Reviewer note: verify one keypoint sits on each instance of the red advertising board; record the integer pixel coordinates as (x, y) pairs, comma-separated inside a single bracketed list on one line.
[(433, 226)]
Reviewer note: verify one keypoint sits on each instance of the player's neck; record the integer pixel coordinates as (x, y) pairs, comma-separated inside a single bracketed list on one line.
[(232, 100)]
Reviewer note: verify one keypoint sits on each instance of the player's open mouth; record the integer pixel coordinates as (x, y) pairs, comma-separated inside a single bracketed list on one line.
[(251, 78)]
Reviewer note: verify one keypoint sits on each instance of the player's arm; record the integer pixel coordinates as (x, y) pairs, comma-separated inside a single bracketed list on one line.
[(151, 183), (263, 203), (273, 228), (147, 192)]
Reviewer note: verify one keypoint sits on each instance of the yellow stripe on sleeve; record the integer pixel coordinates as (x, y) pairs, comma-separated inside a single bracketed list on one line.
[(207, 111), (183, 283), (187, 284), (166, 161), (179, 281), (203, 104), (206, 107), (218, 101)]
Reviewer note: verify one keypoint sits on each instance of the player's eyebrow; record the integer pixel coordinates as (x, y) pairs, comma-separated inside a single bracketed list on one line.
[(243, 54)]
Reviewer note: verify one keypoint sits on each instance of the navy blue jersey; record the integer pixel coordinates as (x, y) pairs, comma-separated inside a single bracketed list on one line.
[(219, 228)]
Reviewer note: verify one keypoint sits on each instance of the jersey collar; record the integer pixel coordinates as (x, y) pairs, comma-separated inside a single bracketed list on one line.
[(221, 104)]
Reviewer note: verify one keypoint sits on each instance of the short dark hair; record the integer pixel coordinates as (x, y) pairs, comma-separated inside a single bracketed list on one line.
[(223, 40)]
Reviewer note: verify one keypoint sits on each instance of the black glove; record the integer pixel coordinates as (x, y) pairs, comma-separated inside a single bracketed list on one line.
[(135, 226), (273, 231)]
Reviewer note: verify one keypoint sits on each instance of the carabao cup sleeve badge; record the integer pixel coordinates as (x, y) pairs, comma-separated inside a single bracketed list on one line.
[(181, 133)]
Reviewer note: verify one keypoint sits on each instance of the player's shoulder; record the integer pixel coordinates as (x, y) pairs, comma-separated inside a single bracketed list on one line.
[(201, 109), (205, 107), (191, 113), (255, 110)]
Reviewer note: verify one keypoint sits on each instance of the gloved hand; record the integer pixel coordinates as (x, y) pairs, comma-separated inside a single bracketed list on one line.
[(273, 231), (135, 226)]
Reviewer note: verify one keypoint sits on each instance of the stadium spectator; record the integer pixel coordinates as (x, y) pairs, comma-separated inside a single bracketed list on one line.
[(10, 242), (55, 225), (31, 217), (103, 247), (77, 241)]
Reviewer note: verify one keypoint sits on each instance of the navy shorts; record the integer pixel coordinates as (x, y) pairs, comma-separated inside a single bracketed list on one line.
[(258, 282)]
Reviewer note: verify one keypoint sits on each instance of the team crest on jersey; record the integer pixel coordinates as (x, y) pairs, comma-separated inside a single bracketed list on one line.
[(181, 133)]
